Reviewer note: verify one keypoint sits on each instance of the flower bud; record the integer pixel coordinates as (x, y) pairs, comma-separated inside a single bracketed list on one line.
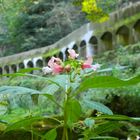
[(67, 68)]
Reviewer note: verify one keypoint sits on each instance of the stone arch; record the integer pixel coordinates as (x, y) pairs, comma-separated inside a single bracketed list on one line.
[(13, 68), (46, 60), (39, 63), (30, 65), (82, 43), (83, 48), (75, 47), (123, 35), (137, 30), (6, 69), (107, 40), (94, 42), (21, 65), (1, 71), (60, 55), (66, 53)]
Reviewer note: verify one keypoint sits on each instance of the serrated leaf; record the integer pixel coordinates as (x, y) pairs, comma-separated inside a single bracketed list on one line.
[(73, 111), (106, 82), (17, 90), (99, 107), (50, 135), (51, 89)]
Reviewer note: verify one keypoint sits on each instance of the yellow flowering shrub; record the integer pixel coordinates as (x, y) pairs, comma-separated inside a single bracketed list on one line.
[(94, 13)]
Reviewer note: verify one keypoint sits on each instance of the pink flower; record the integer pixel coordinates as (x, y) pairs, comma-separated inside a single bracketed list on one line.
[(87, 63), (54, 60), (57, 69), (72, 53), (55, 64)]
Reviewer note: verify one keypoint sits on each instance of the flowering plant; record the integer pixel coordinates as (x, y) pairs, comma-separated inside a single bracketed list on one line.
[(75, 82), (56, 66), (72, 78)]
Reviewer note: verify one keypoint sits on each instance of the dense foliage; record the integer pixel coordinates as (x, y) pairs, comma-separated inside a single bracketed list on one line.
[(33, 24), (38, 23), (34, 115)]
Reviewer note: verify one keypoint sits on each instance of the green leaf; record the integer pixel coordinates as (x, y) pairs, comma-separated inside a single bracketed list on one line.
[(62, 81), (106, 127), (50, 80), (14, 74), (17, 90), (51, 89), (50, 135), (32, 123), (100, 128), (99, 107), (50, 97), (73, 111), (23, 124), (2, 127), (104, 138), (116, 118), (26, 70), (106, 82)]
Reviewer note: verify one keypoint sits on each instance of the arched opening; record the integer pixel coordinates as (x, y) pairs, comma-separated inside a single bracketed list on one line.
[(107, 40), (6, 69), (75, 47), (55, 55), (83, 43), (60, 55), (94, 44), (39, 63), (66, 53), (30, 65), (46, 60), (123, 35), (13, 68), (21, 66), (83, 49), (137, 30), (1, 72)]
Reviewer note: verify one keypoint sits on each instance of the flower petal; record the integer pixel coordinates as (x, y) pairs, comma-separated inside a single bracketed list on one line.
[(72, 53), (46, 70)]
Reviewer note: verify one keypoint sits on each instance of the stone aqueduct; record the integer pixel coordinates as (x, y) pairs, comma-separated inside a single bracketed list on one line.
[(121, 29)]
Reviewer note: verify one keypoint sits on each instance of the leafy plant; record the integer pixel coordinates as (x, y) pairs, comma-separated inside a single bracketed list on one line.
[(73, 79)]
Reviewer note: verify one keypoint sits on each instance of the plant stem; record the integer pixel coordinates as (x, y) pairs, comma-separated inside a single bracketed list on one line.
[(65, 133)]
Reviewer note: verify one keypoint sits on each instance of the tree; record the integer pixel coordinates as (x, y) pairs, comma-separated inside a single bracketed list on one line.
[(96, 10)]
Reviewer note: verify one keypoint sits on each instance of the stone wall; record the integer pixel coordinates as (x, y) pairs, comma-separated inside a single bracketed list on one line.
[(121, 29)]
